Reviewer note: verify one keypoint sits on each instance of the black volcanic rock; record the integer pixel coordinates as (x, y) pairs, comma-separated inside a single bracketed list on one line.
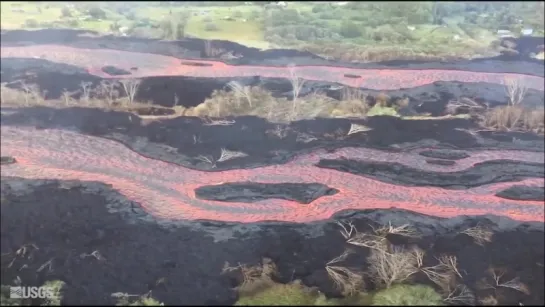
[(7, 160), (446, 154), (522, 192), (488, 172), (249, 192), (114, 71), (440, 162)]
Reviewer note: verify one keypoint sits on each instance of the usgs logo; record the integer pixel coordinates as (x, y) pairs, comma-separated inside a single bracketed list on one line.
[(31, 292)]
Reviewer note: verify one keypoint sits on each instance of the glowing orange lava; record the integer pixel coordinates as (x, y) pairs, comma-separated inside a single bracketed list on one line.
[(167, 191), (159, 65)]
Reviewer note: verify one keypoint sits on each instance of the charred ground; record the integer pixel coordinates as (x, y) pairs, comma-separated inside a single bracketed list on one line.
[(68, 221)]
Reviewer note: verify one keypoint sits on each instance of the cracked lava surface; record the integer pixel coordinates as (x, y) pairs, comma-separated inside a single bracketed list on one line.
[(167, 191)]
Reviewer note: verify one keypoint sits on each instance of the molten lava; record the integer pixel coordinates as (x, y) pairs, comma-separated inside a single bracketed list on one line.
[(167, 191), (150, 65)]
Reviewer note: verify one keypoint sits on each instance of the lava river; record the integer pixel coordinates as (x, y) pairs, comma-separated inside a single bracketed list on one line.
[(150, 65), (167, 191)]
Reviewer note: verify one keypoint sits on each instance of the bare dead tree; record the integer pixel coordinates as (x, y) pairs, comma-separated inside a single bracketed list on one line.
[(210, 50), (389, 268), (345, 279), (228, 155), (279, 131), (131, 88), (31, 93), (460, 295), (176, 100), (207, 159), (217, 122), (356, 128), (516, 90), (66, 97), (85, 91), (296, 84), (515, 283), (241, 91), (480, 234), (305, 137), (107, 89), (347, 229)]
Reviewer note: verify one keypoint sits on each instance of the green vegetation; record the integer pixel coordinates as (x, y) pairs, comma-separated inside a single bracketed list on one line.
[(408, 295), (279, 295), (390, 269), (355, 31), (124, 299), (296, 294)]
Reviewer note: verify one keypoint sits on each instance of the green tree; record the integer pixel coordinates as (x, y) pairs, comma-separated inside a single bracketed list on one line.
[(65, 12), (96, 12), (349, 30)]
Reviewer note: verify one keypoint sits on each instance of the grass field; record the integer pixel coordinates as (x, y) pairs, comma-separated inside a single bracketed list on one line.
[(14, 14), (244, 29), (315, 27)]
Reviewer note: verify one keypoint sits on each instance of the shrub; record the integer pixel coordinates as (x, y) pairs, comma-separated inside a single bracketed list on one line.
[(319, 8), (73, 23), (293, 294), (96, 12), (255, 14), (359, 18), (130, 15), (145, 32), (382, 111), (408, 295), (349, 30), (328, 15), (514, 117), (290, 14), (211, 27), (65, 12), (174, 27)]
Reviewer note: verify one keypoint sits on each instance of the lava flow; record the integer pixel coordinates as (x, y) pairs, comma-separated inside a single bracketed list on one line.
[(153, 65), (167, 191)]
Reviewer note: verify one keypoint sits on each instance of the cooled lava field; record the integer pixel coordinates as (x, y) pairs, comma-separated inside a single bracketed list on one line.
[(80, 180)]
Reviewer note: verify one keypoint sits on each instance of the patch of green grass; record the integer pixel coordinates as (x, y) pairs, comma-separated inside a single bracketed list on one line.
[(408, 295), (296, 294), (124, 299), (56, 286), (227, 30), (249, 32), (382, 111), (13, 14), (359, 299), (49, 14), (276, 294)]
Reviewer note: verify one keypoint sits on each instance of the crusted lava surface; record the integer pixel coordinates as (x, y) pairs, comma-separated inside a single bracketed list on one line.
[(479, 174), (444, 154), (90, 182), (441, 162), (303, 193), (160, 164), (522, 192)]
